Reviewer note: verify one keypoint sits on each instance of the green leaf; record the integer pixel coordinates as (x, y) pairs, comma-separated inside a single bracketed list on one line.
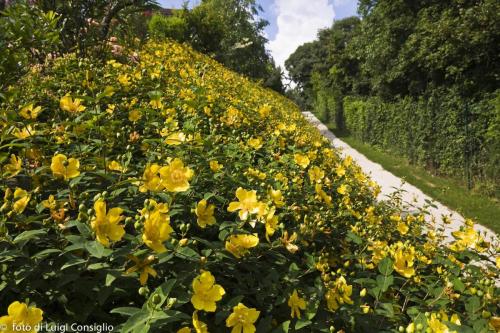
[(110, 277), (136, 322), (96, 249), (163, 291), (385, 309), (283, 328), (458, 285), (384, 282), (45, 253), (185, 252), (234, 301), (386, 266), (352, 237), (301, 323), (473, 305), (126, 311), (73, 262), (28, 235)]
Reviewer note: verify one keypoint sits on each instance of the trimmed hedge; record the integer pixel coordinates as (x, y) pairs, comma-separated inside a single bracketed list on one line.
[(441, 132)]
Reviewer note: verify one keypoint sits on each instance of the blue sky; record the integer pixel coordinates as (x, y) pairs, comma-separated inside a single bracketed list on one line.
[(292, 22)]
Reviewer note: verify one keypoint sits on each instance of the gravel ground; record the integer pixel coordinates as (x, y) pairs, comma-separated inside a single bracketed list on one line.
[(389, 183)]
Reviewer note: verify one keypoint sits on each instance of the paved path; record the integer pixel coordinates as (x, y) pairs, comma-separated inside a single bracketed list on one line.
[(389, 183)]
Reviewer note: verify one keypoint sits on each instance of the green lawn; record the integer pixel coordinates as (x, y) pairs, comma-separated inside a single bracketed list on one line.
[(449, 192)]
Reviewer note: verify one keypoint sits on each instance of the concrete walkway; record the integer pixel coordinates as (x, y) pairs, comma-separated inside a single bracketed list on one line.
[(389, 183)]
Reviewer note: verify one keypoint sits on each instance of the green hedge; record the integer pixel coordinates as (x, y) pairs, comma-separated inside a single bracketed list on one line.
[(440, 131)]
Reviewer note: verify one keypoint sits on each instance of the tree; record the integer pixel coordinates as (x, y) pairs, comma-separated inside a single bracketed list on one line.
[(86, 24), (27, 36), (228, 30)]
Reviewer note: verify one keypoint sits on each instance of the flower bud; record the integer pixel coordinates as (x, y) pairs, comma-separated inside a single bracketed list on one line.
[(156, 299)]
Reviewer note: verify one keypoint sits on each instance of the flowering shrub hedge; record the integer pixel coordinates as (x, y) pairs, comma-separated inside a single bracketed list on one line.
[(166, 193)]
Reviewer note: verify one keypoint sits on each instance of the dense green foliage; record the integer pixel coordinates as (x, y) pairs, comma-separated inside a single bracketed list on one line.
[(171, 166), (30, 31), (27, 36), (420, 77), (430, 132), (229, 31)]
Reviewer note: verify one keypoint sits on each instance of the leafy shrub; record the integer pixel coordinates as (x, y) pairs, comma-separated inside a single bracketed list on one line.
[(27, 36), (441, 131), (167, 193), (161, 26)]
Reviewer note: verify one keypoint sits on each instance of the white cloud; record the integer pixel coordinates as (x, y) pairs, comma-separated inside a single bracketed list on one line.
[(298, 22)]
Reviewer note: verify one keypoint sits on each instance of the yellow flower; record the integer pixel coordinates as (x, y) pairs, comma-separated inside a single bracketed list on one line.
[(115, 166), (468, 238), (26, 132), (239, 245), (206, 292), (436, 326), (28, 112), (316, 174), (13, 167), (124, 80), (184, 330), (271, 223), (157, 227), (404, 259), (498, 262), (65, 168), (175, 177), (199, 326), (379, 251), (242, 319), (255, 143), (151, 180), (134, 115), (339, 294), (21, 318), (264, 110), (143, 267), (288, 242), (156, 103), (111, 108), (343, 189), (296, 303), (205, 213), (50, 203), (21, 199), (402, 228), (277, 197), (68, 104), (322, 196), (175, 139), (339, 170), (301, 160), (232, 116), (246, 205), (215, 166), (105, 224)]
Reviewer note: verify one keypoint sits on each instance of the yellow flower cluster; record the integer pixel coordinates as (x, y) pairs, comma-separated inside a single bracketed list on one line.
[(173, 177), (169, 165)]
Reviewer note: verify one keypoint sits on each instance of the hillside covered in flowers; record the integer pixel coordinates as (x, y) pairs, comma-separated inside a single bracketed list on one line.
[(161, 192)]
